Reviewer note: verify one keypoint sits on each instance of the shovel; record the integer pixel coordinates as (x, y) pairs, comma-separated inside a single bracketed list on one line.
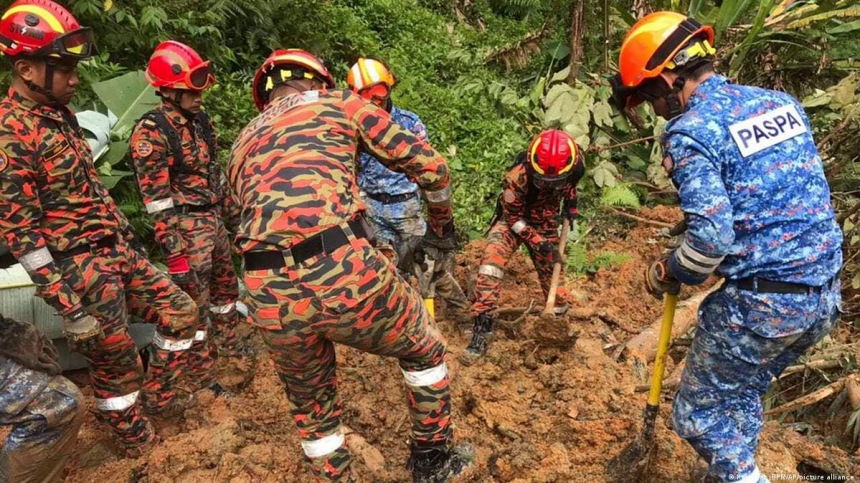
[(549, 310), (426, 284), (631, 465)]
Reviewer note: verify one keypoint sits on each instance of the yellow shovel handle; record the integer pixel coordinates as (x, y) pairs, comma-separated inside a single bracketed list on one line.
[(669, 303), (431, 307)]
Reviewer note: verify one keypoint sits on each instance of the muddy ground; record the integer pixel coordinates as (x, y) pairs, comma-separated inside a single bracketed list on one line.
[(537, 410)]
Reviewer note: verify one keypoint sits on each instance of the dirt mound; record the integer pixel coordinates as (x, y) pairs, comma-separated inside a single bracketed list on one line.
[(547, 403)]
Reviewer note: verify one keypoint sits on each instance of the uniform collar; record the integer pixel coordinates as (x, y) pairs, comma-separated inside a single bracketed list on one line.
[(34, 107), (711, 84), (174, 115)]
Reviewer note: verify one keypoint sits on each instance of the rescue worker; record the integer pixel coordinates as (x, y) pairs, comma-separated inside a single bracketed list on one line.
[(393, 202), (44, 408), (543, 177), (313, 276), (173, 150), (757, 207), (60, 223)]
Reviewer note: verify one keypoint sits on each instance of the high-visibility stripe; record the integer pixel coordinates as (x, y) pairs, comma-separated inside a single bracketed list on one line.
[(491, 271), (222, 309), (323, 446), (171, 345), (519, 226), (427, 377), (200, 336), (438, 196), (36, 259), (691, 259), (159, 205), (118, 403), (40, 12)]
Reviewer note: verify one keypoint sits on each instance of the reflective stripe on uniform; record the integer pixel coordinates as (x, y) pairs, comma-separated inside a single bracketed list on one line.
[(695, 261), (519, 226), (118, 403), (200, 335), (438, 196), (171, 345), (36, 259), (222, 309), (323, 446), (427, 377), (159, 205), (491, 271), (751, 478)]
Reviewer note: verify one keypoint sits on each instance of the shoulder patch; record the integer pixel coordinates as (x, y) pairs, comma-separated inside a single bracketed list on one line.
[(509, 196), (767, 130), (149, 123), (143, 148), (4, 160)]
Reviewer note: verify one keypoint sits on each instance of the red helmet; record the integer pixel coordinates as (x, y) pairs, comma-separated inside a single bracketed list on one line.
[(177, 66), (553, 156), (285, 65), (41, 28)]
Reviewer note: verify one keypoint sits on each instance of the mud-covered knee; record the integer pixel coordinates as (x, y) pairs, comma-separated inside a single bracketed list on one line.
[(61, 404)]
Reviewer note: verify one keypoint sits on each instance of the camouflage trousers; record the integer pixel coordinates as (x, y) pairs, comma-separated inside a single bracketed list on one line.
[(111, 281), (744, 339), (502, 242), (399, 228), (208, 249), (45, 413), (353, 297)]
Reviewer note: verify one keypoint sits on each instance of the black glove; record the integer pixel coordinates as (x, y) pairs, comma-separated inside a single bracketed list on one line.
[(83, 331), (676, 233), (549, 251), (23, 343), (658, 279), (445, 243)]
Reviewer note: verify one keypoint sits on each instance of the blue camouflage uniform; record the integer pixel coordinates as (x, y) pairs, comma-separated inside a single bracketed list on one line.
[(399, 223), (45, 413), (757, 206)]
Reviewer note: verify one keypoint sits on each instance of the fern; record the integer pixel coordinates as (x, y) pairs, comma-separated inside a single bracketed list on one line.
[(850, 12), (620, 195)]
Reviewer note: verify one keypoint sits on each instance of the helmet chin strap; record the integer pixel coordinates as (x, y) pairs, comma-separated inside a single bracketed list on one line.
[(48, 89), (388, 105), (673, 99), (176, 101)]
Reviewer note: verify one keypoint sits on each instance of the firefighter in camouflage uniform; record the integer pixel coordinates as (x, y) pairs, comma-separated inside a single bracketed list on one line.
[(393, 203), (757, 207), (61, 224), (313, 276), (173, 148), (44, 409), (527, 211)]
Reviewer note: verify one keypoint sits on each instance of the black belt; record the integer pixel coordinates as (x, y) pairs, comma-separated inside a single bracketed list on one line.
[(389, 199), (762, 285), (185, 209), (106, 242), (322, 243)]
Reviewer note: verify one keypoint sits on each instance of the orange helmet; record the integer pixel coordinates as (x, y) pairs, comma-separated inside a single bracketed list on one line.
[(285, 65), (42, 28), (553, 157), (659, 41), (178, 66)]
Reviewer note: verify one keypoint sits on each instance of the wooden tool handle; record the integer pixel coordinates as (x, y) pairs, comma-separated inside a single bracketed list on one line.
[(556, 270)]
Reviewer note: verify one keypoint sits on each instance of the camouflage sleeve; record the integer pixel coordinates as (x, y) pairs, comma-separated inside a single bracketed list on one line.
[(706, 206), (151, 165), (20, 212), (230, 210), (514, 190), (571, 210), (400, 150)]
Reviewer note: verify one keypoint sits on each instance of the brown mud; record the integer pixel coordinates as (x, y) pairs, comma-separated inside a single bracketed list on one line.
[(547, 404)]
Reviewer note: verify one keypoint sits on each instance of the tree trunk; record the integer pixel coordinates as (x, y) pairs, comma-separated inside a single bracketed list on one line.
[(577, 31)]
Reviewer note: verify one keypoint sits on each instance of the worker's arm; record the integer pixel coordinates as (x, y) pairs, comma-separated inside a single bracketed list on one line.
[(515, 188)]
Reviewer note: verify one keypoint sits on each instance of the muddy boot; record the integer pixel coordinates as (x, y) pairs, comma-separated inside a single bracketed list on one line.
[(439, 464), (481, 331), (175, 407), (141, 450)]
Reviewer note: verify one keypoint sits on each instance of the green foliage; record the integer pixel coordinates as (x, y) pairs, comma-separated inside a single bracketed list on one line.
[(620, 195)]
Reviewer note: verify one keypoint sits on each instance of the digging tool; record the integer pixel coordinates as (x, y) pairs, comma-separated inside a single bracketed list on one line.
[(549, 310), (631, 465), (425, 272)]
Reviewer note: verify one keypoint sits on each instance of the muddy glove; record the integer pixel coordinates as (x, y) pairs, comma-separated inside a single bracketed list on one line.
[(677, 234), (548, 249), (658, 279), (179, 269), (23, 343), (83, 331)]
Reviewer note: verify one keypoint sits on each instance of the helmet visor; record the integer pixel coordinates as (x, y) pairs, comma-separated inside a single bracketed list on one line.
[(200, 77), (549, 182), (376, 93)]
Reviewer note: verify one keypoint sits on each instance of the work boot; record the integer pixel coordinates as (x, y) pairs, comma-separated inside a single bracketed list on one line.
[(141, 450), (439, 464), (176, 406), (482, 328)]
